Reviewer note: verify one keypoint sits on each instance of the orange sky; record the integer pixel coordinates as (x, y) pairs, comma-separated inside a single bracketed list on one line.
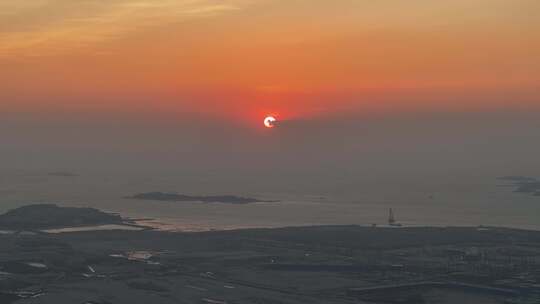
[(245, 58)]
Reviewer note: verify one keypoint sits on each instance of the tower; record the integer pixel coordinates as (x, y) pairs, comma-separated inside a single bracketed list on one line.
[(391, 218)]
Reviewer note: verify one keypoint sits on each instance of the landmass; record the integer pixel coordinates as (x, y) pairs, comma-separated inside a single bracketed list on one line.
[(320, 264), (174, 197), (47, 216)]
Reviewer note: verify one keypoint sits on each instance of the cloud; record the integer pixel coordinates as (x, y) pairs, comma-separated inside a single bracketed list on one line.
[(41, 27)]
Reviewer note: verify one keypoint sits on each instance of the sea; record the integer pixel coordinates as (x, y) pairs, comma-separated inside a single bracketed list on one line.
[(451, 201)]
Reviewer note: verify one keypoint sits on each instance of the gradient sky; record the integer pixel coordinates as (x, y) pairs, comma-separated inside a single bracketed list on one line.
[(406, 84), (244, 58)]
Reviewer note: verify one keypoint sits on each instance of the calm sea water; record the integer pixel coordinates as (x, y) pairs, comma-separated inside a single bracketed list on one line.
[(451, 201)]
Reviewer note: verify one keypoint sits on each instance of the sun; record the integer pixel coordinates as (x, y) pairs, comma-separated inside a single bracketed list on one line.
[(269, 121)]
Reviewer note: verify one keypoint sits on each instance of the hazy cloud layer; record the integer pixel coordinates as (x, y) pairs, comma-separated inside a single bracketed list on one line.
[(57, 26), (37, 27)]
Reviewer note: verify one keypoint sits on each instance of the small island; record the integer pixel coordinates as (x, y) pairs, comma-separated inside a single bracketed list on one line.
[(523, 184), (62, 174), (174, 197)]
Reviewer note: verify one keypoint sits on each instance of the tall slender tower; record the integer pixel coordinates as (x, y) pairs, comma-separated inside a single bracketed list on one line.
[(391, 219)]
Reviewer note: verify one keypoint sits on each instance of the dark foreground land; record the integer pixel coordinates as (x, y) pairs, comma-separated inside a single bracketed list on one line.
[(331, 264)]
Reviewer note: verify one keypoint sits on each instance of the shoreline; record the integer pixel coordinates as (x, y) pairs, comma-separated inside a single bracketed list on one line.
[(144, 228), (364, 262)]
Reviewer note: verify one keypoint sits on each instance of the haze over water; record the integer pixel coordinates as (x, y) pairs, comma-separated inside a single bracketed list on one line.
[(413, 105), (350, 173)]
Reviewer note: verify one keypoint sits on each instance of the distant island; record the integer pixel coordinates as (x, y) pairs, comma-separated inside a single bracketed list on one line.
[(174, 197), (62, 174), (524, 184), (47, 216)]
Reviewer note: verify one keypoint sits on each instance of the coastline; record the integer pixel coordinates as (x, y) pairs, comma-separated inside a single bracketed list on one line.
[(272, 264)]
